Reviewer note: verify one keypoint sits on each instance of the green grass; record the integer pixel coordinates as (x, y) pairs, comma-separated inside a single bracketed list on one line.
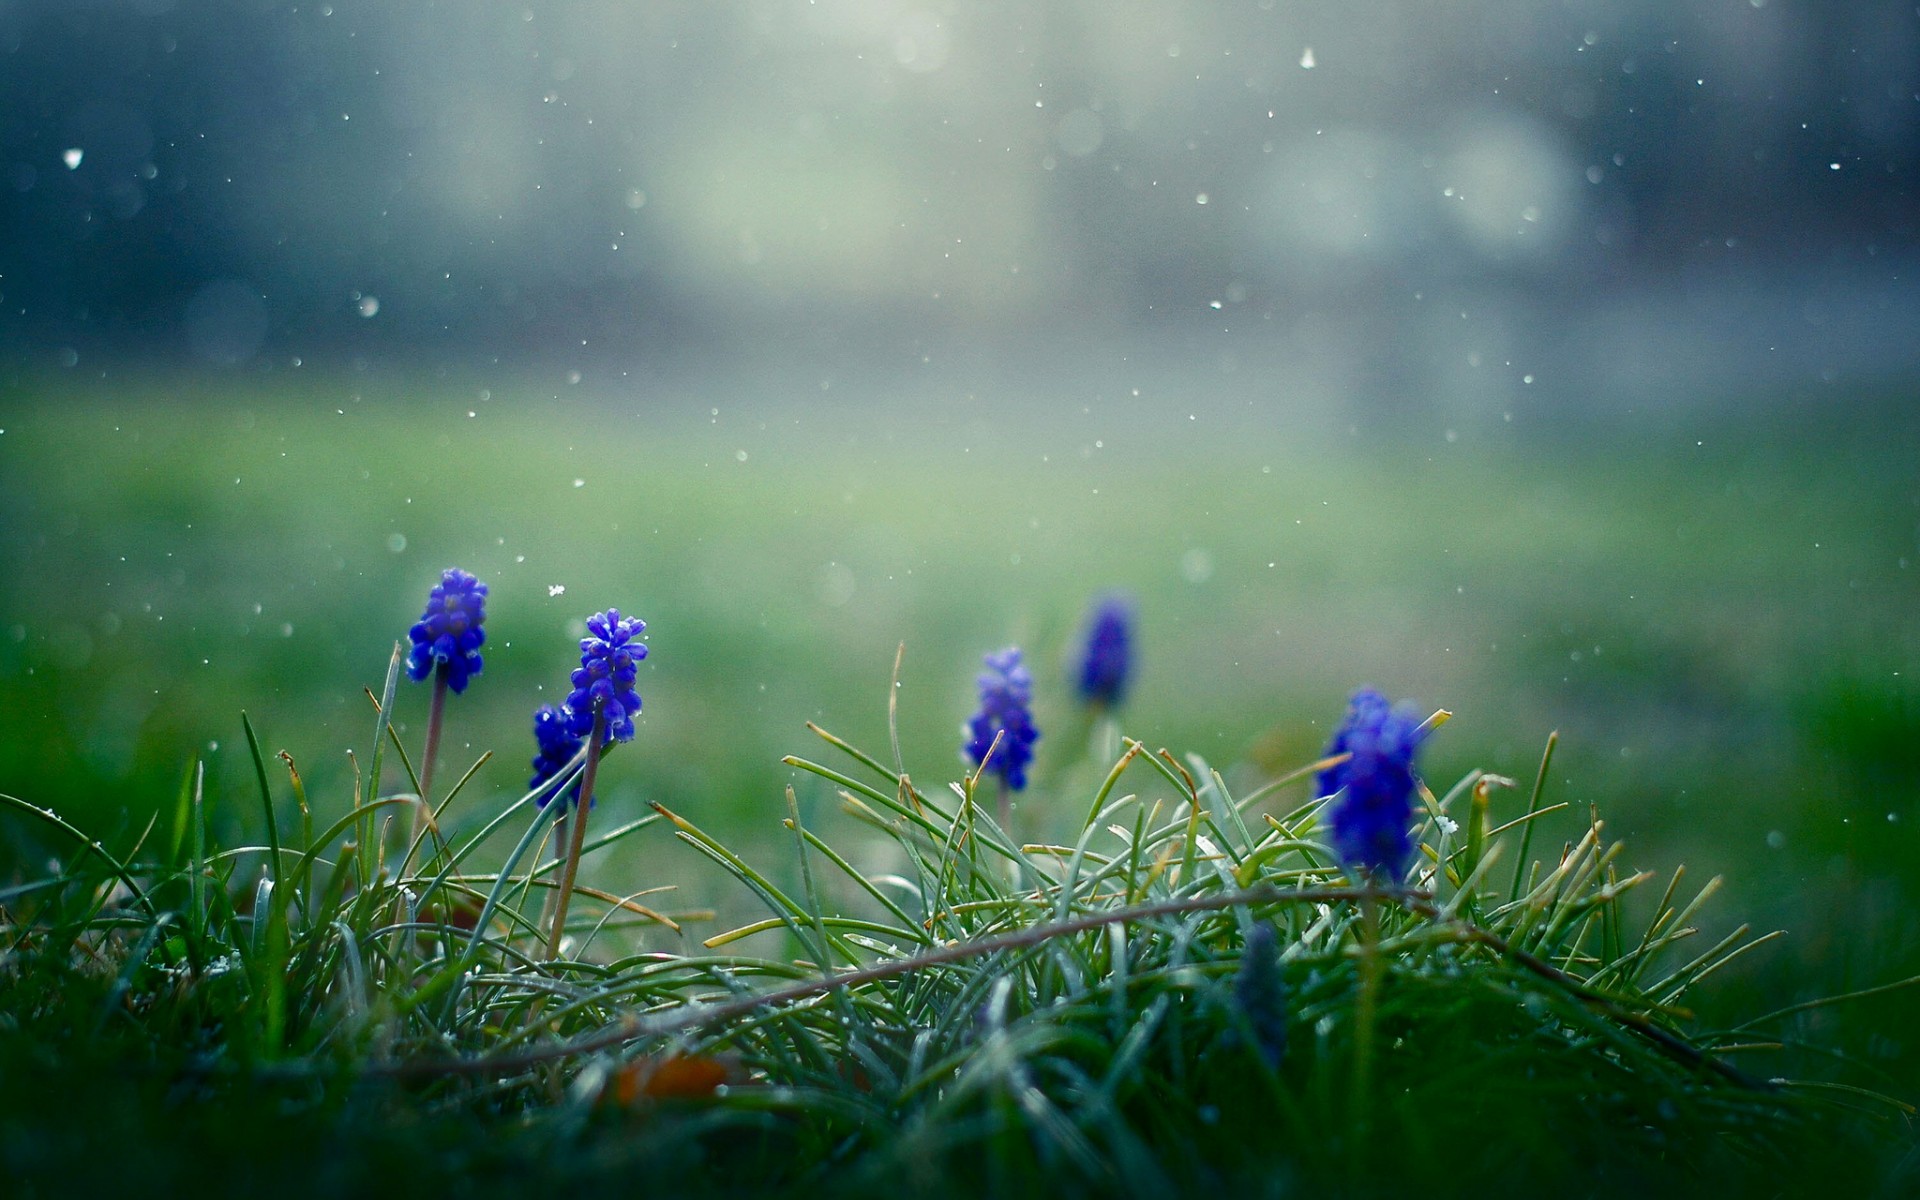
[(171, 556), (978, 1012)]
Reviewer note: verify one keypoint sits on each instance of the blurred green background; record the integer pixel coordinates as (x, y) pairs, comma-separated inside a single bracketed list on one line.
[(1554, 365)]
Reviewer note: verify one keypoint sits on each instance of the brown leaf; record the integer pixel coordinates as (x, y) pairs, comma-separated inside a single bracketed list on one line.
[(672, 1077)]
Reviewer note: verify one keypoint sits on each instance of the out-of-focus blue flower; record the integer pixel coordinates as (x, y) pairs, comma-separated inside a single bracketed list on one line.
[(1372, 810), (1262, 994), (1107, 660), (558, 745), (449, 631), (1006, 698), (609, 665)]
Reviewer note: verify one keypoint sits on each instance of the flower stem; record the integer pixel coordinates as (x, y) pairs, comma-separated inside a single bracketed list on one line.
[(1363, 1020), (1104, 742), (434, 717), (559, 847), (596, 745)]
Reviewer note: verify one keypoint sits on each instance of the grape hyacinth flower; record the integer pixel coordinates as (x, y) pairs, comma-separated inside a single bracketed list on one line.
[(600, 708), (446, 644), (448, 635), (1261, 994), (609, 666), (1006, 699), (1372, 810), (558, 747), (1107, 660)]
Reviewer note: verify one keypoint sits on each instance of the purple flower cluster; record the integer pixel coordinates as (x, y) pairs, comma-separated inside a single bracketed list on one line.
[(609, 666), (558, 746), (449, 630), (1108, 660), (1372, 812), (1006, 700)]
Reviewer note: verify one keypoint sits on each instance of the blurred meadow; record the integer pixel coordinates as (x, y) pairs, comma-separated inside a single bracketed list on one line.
[(1492, 360)]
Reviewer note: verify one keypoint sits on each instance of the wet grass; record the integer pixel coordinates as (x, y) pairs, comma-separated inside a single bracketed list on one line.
[(1717, 620), (1184, 993)]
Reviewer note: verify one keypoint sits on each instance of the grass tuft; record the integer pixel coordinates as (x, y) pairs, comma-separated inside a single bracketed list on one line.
[(929, 1003)]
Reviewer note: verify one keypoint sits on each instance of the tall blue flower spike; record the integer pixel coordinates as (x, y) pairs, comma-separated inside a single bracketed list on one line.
[(558, 746), (1372, 811), (609, 666), (1107, 661), (449, 630), (1006, 699)]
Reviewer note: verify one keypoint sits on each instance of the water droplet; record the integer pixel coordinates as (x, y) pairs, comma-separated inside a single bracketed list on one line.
[(369, 306), (397, 542), (579, 483), (556, 589), (72, 158), (1307, 62)]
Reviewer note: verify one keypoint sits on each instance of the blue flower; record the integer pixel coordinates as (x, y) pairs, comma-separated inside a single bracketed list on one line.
[(449, 631), (1372, 812), (1261, 994), (1108, 658), (609, 665), (1006, 697), (558, 746)]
